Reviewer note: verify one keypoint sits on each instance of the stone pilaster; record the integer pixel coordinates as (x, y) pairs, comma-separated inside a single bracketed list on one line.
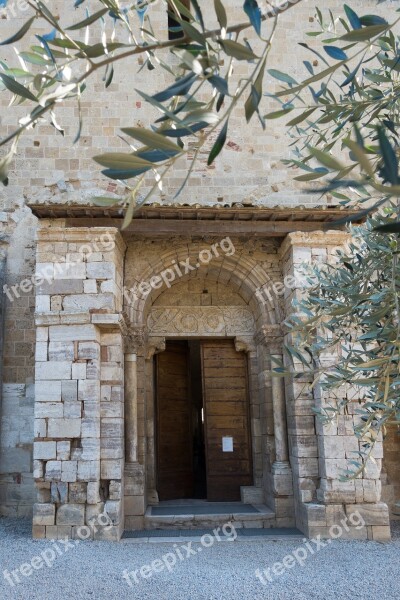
[(319, 454), (78, 449)]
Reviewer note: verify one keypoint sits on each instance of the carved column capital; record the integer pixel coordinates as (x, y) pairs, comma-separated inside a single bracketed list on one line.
[(244, 344), (270, 336), (154, 346), (135, 340)]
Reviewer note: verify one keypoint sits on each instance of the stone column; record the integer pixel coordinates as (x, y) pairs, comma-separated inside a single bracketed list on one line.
[(279, 480), (131, 430), (135, 488), (281, 464)]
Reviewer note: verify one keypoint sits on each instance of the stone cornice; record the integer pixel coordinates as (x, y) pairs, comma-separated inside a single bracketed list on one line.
[(314, 239)]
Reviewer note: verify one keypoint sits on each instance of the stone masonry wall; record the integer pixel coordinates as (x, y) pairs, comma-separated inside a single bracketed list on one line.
[(49, 168), (79, 382), (320, 454)]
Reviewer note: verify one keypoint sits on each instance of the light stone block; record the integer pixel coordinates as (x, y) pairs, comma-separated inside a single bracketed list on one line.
[(48, 391), (93, 492), (90, 286), (90, 449), (45, 410), (42, 334), (69, 471), (71, 514), (69, 391), (90, 428), (44, 514), (79, 370), (88, 350), (44, 450), (88, 470), (111, 469), (70, 270), (101, 270), (86, 302), (89, 391), (42, 304), (73, 410), (41, 351), (40, 428), (73, 333), (64, 428), (53, 370), (38, 469), (63, 450), (60, 351), (53, 470)]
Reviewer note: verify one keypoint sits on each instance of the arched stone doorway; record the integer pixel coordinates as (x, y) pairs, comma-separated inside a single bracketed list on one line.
[(219, 300)]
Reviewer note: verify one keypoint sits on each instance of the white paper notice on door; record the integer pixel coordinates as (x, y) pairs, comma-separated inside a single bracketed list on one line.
[(227, 444)]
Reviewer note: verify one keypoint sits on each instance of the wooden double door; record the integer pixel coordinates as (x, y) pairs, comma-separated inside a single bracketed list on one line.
[(203, 431)]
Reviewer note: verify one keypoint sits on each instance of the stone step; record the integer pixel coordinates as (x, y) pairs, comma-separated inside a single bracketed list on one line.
[(271, 534), (209, 515)]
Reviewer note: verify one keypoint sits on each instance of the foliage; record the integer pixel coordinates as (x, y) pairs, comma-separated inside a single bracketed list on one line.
[(351, 310), (343, 125), (58, 66), (347, 111)]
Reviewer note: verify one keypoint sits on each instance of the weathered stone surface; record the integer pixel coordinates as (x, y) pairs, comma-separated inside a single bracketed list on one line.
[(101, 270), (69, 470), (78, 493), (48, 391), (111, 469), (53, 470), (44, 514), (45, 450), (69, 391), (372, 514), (88, 470), (54, 370), (93, 492), (64, 428), (71, 514)]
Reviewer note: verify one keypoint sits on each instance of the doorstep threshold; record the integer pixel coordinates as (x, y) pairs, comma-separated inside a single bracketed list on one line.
[(195, 535)]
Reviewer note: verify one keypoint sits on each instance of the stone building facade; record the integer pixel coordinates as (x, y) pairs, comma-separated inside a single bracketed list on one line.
[(93, 307)]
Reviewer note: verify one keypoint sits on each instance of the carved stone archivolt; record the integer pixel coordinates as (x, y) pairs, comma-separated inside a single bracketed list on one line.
[(206, 320)]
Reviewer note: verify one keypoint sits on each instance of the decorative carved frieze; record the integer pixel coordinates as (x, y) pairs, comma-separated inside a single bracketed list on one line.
[(206, 320)]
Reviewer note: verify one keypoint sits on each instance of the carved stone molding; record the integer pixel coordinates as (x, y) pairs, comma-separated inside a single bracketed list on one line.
[(206, 320)]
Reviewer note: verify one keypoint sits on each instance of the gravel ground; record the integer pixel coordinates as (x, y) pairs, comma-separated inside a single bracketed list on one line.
[(341, 570)]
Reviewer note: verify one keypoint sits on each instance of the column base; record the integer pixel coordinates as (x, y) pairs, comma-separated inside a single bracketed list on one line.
[(282, 479)]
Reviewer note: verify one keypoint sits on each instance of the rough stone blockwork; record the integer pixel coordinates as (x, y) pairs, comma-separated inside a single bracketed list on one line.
[(79, 410)]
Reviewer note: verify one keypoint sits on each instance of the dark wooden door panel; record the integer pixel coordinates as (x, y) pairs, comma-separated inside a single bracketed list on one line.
[(174, 432), (226, 415)]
